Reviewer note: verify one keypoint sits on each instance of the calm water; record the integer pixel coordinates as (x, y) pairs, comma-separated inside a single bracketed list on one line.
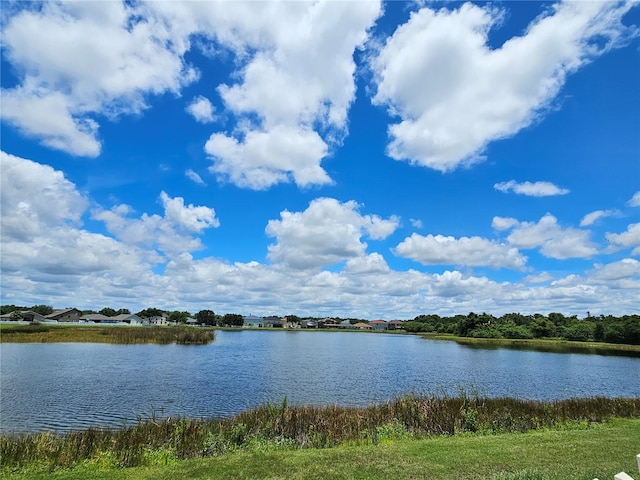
[(76, 385)]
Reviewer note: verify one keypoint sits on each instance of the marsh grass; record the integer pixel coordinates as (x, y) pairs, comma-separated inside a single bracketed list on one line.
[(275, 427), (183, 335)]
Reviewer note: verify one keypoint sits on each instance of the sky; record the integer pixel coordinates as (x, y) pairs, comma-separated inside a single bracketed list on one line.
[(327, 158)]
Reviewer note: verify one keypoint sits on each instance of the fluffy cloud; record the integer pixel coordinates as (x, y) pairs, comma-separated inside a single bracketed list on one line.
[(327, 232), (35, 198), (467, 251), (628, 239), (593, 217), (535, 189), (635, 200), (454, 94), (79, 60), (292, 105), (42, 238), (201, 110), (172, 233), (547, 235), (625, 269), (263, 159)]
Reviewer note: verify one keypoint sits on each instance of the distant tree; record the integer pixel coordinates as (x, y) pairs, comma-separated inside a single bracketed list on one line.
[(43, 310), (10, 308), (206, 317), (233, 320), (542, 327), (108, 312), (123, 311), (580, 331), (150, 312), (293, 319), (178, 317)]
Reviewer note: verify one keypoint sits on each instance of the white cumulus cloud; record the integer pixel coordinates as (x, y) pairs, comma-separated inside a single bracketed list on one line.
[(327, 232), (454, 94), (627, 239), (552, 239), (201, 109), (172, 233), (465, 251), (292, 104), (531, 189), (592, 217), (635, 200), (83, 60)]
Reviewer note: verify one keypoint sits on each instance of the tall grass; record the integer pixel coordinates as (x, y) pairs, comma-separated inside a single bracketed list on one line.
[(282, 426), (184, 335)]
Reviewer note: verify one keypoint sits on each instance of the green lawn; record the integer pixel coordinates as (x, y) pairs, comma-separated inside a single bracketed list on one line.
[(582, 453)]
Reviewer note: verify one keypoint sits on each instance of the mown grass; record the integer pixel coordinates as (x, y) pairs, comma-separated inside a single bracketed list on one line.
[(41, 333), (280, 427), (597, 451)]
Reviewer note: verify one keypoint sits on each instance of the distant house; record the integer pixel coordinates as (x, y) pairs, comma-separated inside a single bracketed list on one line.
[(65, 315), (22, 316), (272, 322), (130, 318), (362, 326), (345, 324), (327, 323), (379, 325), (308, 324), (160, 320), (396, 325), (192, 321), (252, 321), (96, 318)]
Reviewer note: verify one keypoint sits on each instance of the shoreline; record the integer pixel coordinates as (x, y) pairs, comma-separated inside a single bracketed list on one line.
[(74, 333)]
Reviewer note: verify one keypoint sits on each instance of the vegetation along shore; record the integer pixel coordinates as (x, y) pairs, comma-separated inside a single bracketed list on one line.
[(44, 333), (421, 433)]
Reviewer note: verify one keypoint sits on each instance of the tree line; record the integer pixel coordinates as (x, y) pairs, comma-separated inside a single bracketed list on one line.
[(609, 328)]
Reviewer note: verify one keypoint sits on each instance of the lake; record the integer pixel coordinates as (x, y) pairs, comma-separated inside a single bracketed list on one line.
[(64, 386)]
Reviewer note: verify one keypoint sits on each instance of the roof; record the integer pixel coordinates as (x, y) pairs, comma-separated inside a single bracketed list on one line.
[(377, 322), (362, 325), (58, 313), (97, 316)]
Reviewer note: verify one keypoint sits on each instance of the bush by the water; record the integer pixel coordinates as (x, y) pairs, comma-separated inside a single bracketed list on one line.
[(282, 426), (610, 329)]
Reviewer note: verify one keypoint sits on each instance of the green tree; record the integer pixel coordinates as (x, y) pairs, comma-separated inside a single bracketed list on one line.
[(580, 331), (124, 311), (108, 312), (206, 317), (150, 312), (43, 310), (178, 317), (542, 327), (232, 320)]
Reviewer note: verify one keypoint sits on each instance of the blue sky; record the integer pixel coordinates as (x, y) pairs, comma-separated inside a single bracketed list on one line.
[(365, 159)]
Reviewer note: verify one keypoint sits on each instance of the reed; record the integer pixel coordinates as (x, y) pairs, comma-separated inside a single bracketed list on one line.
[(283, 426), (183, 335)]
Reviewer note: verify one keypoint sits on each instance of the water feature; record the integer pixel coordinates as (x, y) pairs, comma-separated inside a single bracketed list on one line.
[(63, 386)]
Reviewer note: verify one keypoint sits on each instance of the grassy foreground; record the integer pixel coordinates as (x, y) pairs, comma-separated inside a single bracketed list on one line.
[(44, 333), (160, 443), (597, 451)]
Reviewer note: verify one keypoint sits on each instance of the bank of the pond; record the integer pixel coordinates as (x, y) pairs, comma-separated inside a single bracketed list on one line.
[(276, 427), (542, 345), (48, 333), (596, 451)]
